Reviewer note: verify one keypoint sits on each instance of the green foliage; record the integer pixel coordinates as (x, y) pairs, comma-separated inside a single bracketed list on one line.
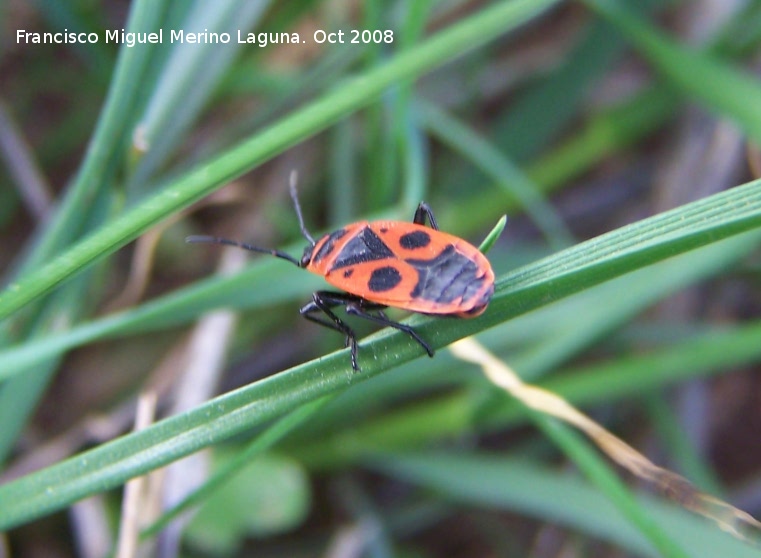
[(268, 496), (402, 121)]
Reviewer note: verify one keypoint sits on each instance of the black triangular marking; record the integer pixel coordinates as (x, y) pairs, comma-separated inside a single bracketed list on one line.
[(366, 246)]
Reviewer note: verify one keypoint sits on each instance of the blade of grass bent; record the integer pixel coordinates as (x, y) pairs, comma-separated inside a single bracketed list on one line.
[(602, 475), (611, 255), (542, 407), (346, 97)]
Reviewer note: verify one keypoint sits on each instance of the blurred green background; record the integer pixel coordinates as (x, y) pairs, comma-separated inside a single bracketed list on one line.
[(619, 137)]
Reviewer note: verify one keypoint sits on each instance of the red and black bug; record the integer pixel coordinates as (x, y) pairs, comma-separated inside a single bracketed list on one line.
[(388, 263)]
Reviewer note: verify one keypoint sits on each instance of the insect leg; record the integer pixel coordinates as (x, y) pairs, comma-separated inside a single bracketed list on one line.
[(323, 301), (424, 210), (357, 310), (344, 299)]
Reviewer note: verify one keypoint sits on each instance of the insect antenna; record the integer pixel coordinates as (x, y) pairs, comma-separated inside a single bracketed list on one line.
[(215, 240), (295, 198)]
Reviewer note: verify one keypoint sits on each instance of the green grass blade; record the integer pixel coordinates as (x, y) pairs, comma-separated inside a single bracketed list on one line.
[(556, 333), (611, 255), (684, 452), (236, 291), (262, 443), (201, 181), (493, 235), (542, 111), (717, 84), (604, 135), (500, 169), (532, 489), (277, 284), (20, 396), (601, 475), (188, 78), (103, 147)]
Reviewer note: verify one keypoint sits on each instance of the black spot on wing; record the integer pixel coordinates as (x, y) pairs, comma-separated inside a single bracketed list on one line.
[(366, 246), (329, 245), (447, 277), (384, 279), (348, 273), (415, 240)]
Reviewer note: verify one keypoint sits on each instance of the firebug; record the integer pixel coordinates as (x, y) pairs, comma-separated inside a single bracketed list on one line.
[(387, 263)]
